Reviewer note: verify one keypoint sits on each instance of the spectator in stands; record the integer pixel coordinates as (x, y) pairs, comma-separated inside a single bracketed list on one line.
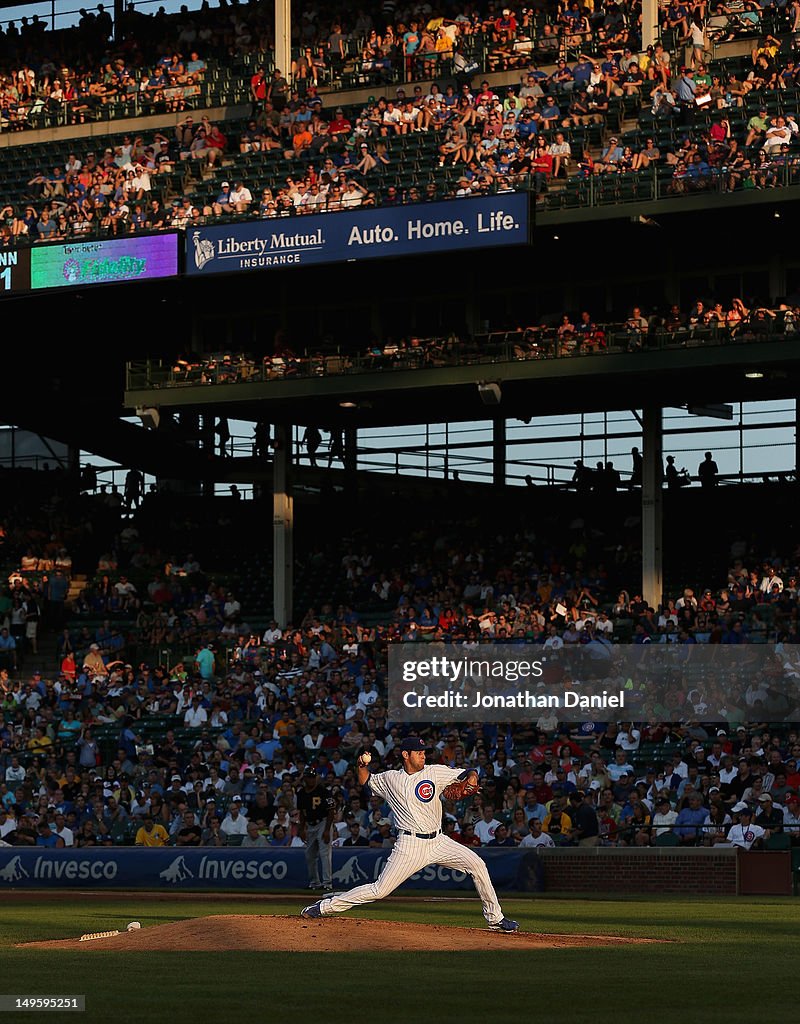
[(241, 197), (689, 820), (744, 833), (235, 822), (151, 833), (585, 829)]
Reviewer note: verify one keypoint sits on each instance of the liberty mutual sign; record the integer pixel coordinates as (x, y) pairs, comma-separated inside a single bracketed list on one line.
[(458, 224)]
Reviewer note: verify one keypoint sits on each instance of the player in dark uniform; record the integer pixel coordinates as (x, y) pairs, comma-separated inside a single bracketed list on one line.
[(315, 804)]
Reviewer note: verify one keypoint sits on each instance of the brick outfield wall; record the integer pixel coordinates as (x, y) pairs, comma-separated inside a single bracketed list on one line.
[(654, 870)]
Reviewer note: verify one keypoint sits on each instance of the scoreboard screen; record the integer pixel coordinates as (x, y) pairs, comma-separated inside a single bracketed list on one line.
[(80, 264), (15, 271), (104, 261)]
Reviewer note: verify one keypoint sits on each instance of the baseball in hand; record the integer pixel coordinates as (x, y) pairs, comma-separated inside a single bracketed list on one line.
[(365, 758)]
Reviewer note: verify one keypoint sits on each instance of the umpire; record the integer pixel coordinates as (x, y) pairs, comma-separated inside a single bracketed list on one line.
[(315, 804)]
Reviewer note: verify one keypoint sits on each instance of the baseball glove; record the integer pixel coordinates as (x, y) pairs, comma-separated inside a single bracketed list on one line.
[(462, 787)]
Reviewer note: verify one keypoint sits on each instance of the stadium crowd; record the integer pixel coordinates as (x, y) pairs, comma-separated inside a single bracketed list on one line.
[(701, 126), (481, 142), (84, 66), (705, 322), (212, 744)]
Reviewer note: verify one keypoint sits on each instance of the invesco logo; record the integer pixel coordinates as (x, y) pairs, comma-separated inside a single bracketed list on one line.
[(71, 870), (425, 791), (242, 870)]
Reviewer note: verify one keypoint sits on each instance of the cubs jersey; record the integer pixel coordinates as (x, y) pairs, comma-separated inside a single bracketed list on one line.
[(745, 835), (414, 799)]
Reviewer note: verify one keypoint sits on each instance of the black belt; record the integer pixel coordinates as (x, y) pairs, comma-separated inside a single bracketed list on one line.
[(421, 835)]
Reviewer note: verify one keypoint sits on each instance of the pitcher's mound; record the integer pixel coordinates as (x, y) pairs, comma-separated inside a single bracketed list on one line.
[(330, 935)]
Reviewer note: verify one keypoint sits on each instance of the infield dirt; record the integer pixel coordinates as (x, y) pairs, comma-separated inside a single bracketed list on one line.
[(270, 933)]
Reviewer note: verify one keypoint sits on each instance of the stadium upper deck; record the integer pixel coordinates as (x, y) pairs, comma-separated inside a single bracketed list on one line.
[(589, 125)]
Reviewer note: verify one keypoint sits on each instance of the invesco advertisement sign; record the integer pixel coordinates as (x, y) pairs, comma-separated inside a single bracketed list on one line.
[(361, 235), (172, 869)]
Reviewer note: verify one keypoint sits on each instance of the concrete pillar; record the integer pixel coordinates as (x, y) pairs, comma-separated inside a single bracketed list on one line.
[(283, 37), (351, 460), (652, 578), (472, 316), (777, 278), (649, 23), (282, 527), (797, 441), (376, 320), (499, 450), (207, 443)]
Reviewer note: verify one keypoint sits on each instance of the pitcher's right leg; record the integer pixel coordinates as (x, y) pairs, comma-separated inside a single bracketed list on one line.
[(408, 856)]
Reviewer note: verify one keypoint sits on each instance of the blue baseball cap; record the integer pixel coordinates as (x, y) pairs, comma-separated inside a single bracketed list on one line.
[(412, 743)]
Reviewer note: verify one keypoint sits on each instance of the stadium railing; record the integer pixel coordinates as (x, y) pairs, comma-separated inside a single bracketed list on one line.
[(501, 347)]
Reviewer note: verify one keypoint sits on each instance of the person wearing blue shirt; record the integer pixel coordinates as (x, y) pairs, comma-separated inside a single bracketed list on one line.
[(677, 18), (526, 127), (303, 114), (534, 809), (685, 87), (195, 66), (550, 111), (8, 650), (689, 819), (582, 72), (563, 78), (69, 726), (48, 838), (698, 168), (267, 749), (204, 662), (619, 766)]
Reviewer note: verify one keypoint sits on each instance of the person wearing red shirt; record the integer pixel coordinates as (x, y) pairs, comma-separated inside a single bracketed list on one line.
[(541, 750), (258, 91), (541, 168), (485, 96), (563, 740), (792, 774), (505, 27), (543, 791), (526, 773), (466, 836), (216, 139), (339, 130)]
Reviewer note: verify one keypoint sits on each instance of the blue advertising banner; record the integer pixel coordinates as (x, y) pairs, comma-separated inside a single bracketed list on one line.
[(361, 235), (172, 869)]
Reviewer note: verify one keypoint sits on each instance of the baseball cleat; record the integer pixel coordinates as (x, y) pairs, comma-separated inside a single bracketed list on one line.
[(506, 925), (313, 911)]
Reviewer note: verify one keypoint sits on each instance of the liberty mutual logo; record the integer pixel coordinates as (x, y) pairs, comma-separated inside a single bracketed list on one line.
[(203, 250)]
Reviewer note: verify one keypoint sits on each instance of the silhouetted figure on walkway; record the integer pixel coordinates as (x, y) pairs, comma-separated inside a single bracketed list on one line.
[(671, 475), (582, 477), (336, 450), (707, 471), (636, 468), (312, 439)]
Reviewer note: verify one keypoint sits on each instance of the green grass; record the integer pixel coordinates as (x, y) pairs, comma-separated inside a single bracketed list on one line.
[(711, 970)]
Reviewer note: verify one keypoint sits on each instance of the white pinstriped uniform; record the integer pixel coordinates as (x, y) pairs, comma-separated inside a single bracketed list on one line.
[(414, 800)]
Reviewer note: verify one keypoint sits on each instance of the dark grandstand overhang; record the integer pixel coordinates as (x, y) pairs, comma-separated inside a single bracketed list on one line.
[(726, 203), (669, 377)]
